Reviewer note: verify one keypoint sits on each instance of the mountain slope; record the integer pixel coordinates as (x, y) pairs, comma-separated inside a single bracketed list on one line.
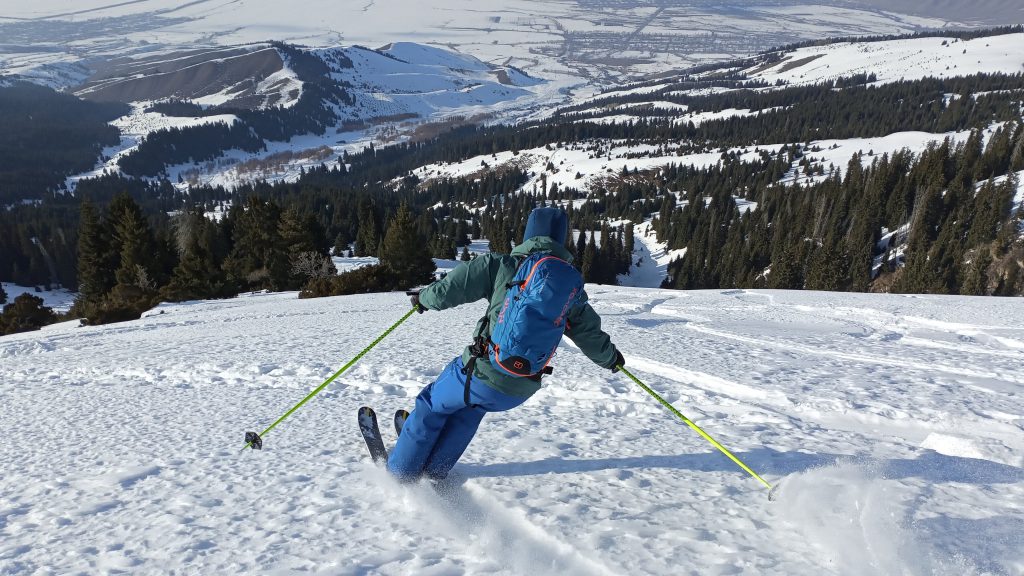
[(599, 41), (897, 420)]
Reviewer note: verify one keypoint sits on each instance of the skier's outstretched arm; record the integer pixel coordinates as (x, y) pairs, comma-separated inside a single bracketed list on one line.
[(584, 328), (468, 282)]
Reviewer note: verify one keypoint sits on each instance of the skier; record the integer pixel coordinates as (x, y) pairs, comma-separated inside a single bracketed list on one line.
[(448, 411)]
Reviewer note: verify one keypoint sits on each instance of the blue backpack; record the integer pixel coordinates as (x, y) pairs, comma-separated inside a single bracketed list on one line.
[(533, 318)]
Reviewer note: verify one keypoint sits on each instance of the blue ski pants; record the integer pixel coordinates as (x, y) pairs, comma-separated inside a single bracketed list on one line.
[(441, 426)]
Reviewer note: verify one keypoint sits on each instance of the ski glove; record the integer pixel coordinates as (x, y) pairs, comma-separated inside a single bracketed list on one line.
[(414, 297), (619, 361)]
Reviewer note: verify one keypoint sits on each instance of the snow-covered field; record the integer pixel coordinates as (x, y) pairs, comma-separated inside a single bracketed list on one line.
[(60, 300), (895, 422), (596, 40), (896, 60)]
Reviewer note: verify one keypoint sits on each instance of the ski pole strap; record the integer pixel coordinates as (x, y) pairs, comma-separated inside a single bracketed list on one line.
[(695, 427), (476, 351), (335, 375), (468, 371)]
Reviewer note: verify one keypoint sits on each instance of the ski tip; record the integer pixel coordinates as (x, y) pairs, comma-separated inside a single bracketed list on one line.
[(773, 494)]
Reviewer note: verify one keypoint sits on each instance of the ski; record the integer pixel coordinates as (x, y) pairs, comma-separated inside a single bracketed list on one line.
[(400, 417), (371, 434)]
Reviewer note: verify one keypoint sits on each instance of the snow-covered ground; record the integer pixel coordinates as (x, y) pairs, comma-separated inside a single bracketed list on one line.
[(134, 128), (836, 153), (582, 165), (397, 91), (896, 60), (597, 41), (895, 423), (60, 300), (650, 259)]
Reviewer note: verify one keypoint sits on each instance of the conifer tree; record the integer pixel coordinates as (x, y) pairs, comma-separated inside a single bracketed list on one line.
[(3, 295), (300, 232), (588, 265), (1017, 156), (195, 277), (26, 313), (604, 264), (368, 236), (405, 252), (135, 242), (305, 244), (258, 259), (341, 244), (784, 271), (95, 277), (976, 277)]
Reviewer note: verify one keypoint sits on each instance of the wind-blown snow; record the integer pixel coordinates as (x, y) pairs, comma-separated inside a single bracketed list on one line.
[(895, 422)]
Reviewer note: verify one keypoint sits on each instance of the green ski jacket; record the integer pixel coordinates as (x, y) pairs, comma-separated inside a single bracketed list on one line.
[(486, 277)]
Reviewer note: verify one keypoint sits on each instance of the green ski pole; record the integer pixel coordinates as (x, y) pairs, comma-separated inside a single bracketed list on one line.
[(255, 441), (697, 429)]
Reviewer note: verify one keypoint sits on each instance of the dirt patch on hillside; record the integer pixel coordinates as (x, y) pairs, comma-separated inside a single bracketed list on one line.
[(186, 76), (798, 63)]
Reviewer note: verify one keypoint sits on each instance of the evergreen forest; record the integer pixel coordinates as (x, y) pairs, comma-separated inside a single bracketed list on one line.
[(939, 221)]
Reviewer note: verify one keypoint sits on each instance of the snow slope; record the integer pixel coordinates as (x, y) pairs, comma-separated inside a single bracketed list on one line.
[(895, 60), (424, 81), (573, 39), (60, 300), (896, 421)]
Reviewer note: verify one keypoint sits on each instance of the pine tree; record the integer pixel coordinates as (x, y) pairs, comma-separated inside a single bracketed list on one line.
[(341, 244), (26, 313), (588, 264), (195, 277), (258, 259), (465, 254), (976, 277), (604, 263), (3, 295), (784, 271), (95, 277), (368, 236), (1017, 156), (134, 240), (304, 242), (405, 252), (301, 233)]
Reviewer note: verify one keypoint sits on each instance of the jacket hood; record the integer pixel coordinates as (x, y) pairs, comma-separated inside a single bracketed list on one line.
[(542, 244), (548, 221)]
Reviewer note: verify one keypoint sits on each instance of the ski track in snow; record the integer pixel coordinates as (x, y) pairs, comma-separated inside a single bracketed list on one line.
[(894, 422)]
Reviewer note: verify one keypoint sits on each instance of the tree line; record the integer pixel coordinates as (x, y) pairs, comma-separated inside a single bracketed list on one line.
[(137, 242), (48, 136)]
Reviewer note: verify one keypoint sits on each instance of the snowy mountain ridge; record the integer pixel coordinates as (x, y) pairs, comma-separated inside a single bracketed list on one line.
[(391, 93), (602, 42)]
